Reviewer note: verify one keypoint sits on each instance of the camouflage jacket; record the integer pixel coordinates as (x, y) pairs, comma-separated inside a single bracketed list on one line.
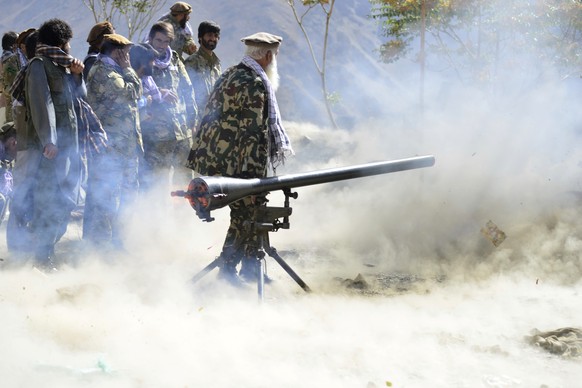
[(10, 67), (203, 69), (113, 94), (232, 139), (172, 121), (182, 37)]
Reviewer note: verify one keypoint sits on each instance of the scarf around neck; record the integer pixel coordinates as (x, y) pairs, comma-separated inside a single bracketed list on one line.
[(164, 62), (6, 54), (55, 54), (279, 143)]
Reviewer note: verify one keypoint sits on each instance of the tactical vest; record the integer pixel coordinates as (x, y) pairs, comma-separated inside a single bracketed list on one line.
[(62, 97)]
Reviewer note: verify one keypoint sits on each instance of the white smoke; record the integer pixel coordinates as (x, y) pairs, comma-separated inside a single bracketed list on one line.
[(444, 307)]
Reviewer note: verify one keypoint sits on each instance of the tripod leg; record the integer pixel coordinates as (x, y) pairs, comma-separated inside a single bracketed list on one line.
[(206, 270), (273, 253), (261, 278)]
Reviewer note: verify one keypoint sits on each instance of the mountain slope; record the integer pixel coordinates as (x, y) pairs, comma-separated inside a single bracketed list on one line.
[(351, 58)]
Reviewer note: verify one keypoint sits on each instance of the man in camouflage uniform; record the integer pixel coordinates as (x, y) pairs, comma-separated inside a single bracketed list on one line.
[(168, 131), (113, 92), (15, 63), (95, 38), (7, 156), (18, 109), (179, 17), (18, 228), (239, 132), (204, 66), (52, 82), (10, 68)]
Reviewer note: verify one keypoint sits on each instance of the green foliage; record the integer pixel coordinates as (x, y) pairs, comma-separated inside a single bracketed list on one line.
[(475, 36), (400, 22), (133, 16)]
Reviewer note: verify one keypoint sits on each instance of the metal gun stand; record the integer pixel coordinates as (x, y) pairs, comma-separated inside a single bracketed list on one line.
[(265, 220)]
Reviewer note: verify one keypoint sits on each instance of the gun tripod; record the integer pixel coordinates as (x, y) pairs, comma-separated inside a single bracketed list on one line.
[(265, 219)]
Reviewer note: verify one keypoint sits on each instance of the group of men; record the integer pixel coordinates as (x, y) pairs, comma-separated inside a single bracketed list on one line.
[(127, 116)]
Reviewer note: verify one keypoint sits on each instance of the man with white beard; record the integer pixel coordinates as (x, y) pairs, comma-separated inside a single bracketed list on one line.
[(240, 132)]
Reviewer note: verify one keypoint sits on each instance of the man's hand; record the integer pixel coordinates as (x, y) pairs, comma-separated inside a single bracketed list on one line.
[(50, 151), (190, 48), (169, 96), (121, 56), (77, 66)]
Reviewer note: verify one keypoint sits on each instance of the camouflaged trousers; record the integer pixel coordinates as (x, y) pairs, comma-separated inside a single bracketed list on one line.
[(112, 188), (240, 242)]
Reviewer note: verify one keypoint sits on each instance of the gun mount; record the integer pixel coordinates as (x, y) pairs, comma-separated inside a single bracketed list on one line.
[(210, 193)]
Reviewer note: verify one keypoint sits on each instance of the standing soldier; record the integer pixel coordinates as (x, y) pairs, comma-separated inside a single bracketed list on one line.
[(26, 42), (240, 131), (141, 57), (52, 82), (204, 66), (9, 70), (94, 39), (179, 17), (168, 132), (7, 156), (18, 231), (113, 92), (12, 67)]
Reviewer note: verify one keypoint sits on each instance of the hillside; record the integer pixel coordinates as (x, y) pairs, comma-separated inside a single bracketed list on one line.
[(439, 304), (351, 57)]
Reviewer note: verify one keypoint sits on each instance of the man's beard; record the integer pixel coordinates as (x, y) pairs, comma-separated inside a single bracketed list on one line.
[(273, 73), (183, 22), (208, 45)]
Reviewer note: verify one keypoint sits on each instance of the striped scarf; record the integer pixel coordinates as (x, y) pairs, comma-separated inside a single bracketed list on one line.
[(17, 88), (55, 54), (91, 132), (279, 143)]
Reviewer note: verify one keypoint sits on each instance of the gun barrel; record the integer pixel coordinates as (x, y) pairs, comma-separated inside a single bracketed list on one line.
[(209, 193), (343, 173)]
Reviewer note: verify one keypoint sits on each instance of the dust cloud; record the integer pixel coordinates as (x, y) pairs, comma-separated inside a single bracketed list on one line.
[(439, 306), (443, 306)]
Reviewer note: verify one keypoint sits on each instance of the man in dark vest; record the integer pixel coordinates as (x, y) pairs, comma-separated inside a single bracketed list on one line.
[(53, 81)]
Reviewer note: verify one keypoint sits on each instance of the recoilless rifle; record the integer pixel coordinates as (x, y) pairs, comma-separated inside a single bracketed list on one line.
[(206, 194)]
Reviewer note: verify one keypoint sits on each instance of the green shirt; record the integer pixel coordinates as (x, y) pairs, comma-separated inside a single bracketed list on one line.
[(204, 69)]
